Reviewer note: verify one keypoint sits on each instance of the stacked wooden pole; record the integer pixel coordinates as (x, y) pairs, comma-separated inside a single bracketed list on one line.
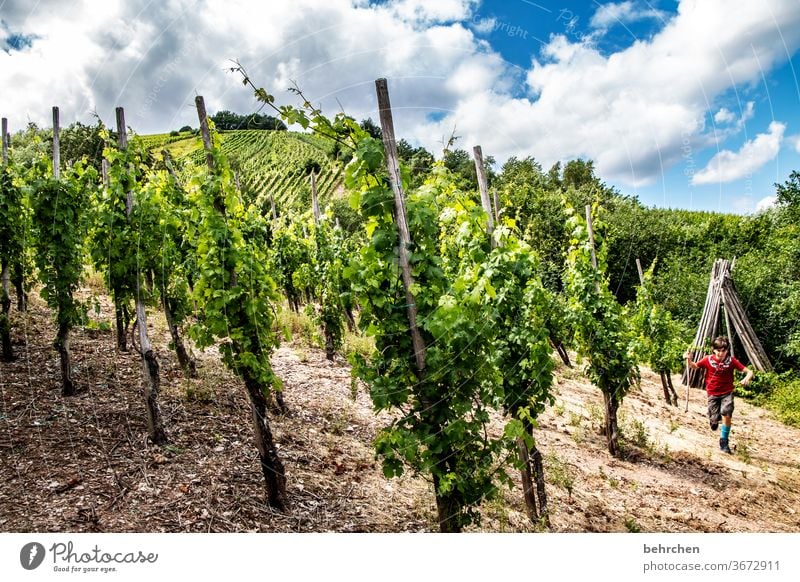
[(752, 346), (722, 294)]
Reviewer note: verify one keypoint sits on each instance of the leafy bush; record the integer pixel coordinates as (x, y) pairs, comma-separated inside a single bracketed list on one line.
[(785, 401)]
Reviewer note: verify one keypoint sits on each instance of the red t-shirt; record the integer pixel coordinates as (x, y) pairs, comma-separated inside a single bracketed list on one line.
[(719, 374)]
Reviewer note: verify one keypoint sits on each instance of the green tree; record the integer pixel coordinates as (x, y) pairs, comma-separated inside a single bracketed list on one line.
[(225, 120), (79, 141)]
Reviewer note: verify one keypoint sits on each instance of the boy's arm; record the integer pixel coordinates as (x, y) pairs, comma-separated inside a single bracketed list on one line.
[(748, 376), (689, 362)]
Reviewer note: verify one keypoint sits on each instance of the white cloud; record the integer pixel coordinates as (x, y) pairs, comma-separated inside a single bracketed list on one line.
[(724, 116), (795, 141), (727, 166), (429, 12), (485, 25), (748, 113), (154, 58), (631, 111), (608, 15), (766, 203)]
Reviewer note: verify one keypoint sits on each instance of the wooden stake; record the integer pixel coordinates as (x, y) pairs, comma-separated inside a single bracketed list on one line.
[(389, 144), (639, 270), (591, 242), (150, 378), (271, 465), (591, 234), (56, 146), (728, 327), (483, 186), (497, 208), (122, 139), (204, 131)]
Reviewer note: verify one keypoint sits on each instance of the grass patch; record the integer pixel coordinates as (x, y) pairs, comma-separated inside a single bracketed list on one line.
[(356, 344), (560, 473), (575, 419), (636, 433), (299, 327), (632, 525), (743, 451)]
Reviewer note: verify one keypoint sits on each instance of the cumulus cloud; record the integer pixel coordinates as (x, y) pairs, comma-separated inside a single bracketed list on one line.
[(631, 111), (485, 25), (154, 58), (607, 15), (727, 166), (724, 116), (766, 203), (425, 11)]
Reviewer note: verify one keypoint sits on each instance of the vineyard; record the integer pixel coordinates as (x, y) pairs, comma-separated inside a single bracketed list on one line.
[(270, 163), (83, 464), (203, 341)]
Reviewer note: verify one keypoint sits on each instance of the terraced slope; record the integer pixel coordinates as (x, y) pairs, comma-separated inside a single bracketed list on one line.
[(268, 162)]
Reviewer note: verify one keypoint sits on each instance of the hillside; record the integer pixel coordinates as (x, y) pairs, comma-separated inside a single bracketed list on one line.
[(83, 464), (268, 162)]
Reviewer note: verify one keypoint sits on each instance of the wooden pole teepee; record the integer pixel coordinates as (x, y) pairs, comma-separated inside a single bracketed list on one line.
[(722, 294)]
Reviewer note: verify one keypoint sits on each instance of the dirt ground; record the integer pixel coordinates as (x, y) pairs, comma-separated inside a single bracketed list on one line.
[(83, 464)]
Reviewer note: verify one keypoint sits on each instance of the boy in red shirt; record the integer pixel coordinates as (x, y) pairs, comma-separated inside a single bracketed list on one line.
[(719, 368)]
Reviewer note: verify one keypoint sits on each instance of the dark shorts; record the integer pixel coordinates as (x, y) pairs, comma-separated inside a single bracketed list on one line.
[(719, 406)]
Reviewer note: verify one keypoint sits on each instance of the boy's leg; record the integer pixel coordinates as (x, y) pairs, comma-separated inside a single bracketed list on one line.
[(714, 415), (726, 409)]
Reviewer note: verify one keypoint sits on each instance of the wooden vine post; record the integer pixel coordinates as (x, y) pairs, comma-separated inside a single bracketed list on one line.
[(483, 186), (590, 230), (448, 504), (56, 145), (393, 165), (121, 314), (327, 332), (150, 376), (271, 465)]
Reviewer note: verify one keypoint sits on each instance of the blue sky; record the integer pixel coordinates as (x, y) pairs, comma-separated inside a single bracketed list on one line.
[(686, 104), (737, 118)]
